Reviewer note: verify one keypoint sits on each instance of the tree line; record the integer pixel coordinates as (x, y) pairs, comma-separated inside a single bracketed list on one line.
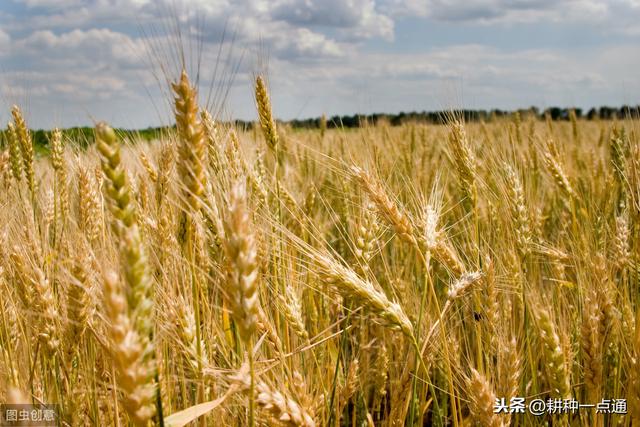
[(442, 117), (83, 136)]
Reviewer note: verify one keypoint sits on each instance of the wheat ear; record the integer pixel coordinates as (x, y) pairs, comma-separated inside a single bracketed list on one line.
[(366, 239), (554, 164), (243, 272), (26, 146), (263, 104), (60, 168), (89, 211), (553, 355), (464, 160), (591, 344), (192, 141), (463, 285), (242, 255), (518, 210), (482, 400), (185, 323), (15, 153), (134, 257), (387, 208), (283, 408), (435, 241), (347, 283), (293, 312), (79, 305), (132, 322), (130, 353)]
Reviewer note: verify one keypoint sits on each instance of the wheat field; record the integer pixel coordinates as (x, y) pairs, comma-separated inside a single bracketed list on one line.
[(379, 276)]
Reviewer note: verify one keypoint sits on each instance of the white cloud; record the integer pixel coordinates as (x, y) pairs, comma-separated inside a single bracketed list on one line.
[(91, 47), (359, 17), (287, 42), (5, 41), (52, 3), (352, 19), (502, 11)]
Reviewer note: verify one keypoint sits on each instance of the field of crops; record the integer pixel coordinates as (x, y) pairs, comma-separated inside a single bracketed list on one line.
[(379, 276)]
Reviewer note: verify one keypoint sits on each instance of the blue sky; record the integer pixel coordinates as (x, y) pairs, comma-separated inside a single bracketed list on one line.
[(68, 62)]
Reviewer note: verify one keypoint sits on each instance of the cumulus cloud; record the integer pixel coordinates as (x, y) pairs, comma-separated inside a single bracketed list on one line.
[(360, 17), (353, 18), (286, 42), (91, 46)]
